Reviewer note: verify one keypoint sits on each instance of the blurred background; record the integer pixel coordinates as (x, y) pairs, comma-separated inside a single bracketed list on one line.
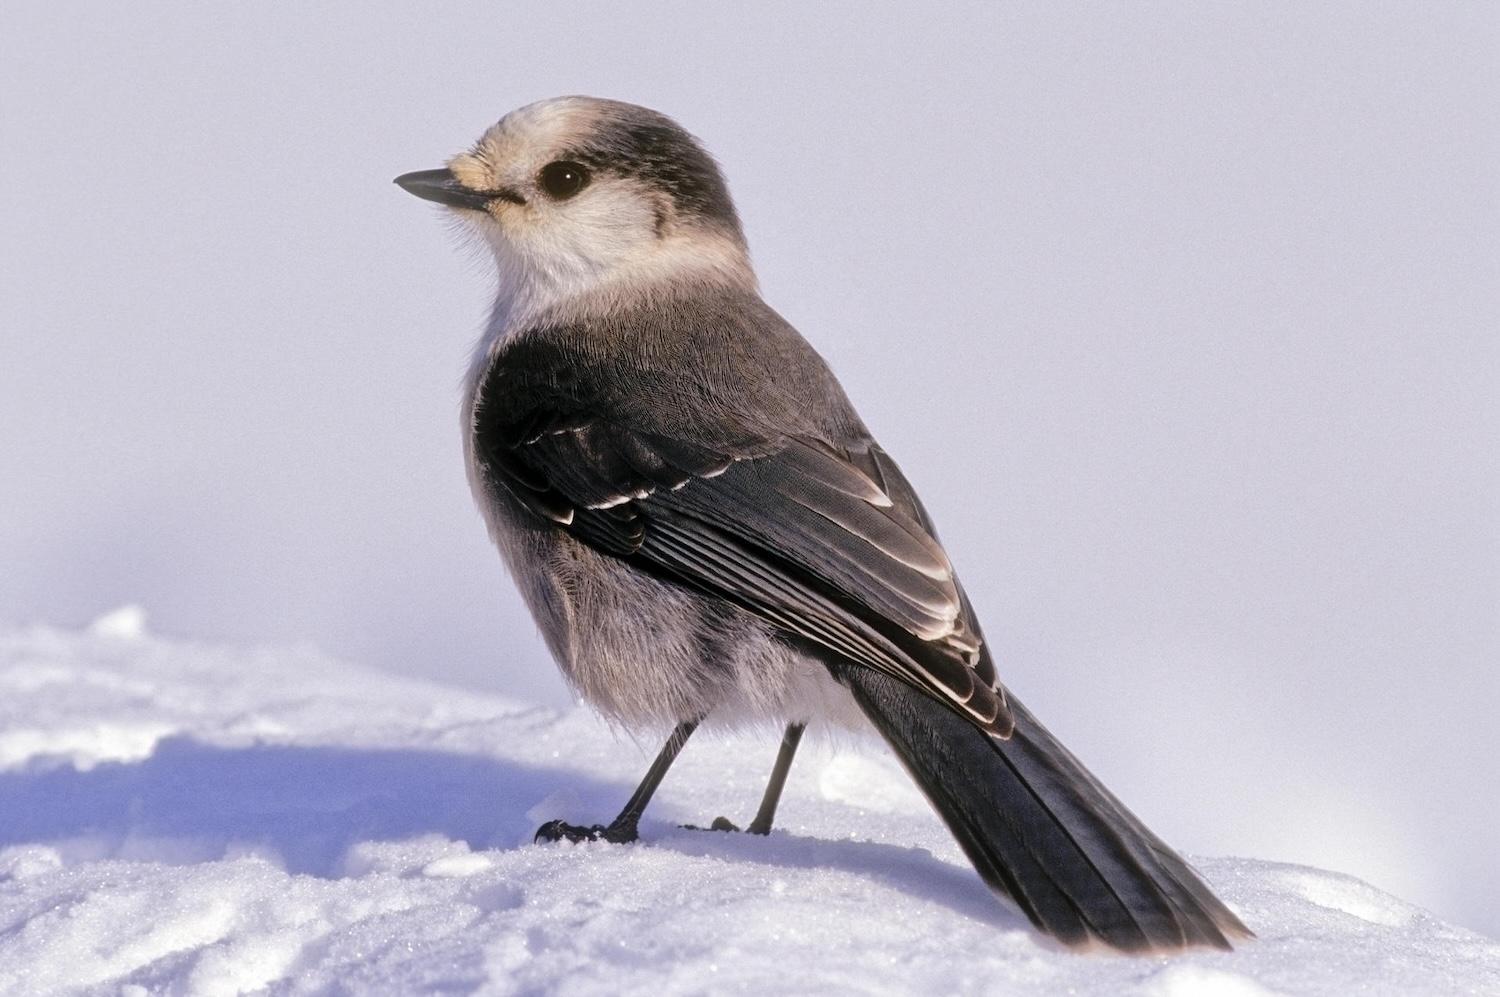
[(1182, 319)]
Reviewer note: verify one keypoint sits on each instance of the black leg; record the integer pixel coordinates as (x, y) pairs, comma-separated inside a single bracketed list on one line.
[(767, 812), (623, 827)]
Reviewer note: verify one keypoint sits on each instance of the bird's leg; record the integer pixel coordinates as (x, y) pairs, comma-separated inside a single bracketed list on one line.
[(767, 812), (768, 802), (623, 827)]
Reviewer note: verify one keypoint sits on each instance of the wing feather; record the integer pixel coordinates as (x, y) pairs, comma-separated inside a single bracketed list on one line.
[(829, 546)]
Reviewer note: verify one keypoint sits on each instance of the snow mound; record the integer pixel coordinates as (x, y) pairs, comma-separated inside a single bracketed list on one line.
[(179, 818)]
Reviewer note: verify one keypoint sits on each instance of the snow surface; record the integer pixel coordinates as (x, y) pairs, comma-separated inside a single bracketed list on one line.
[(181, 818)]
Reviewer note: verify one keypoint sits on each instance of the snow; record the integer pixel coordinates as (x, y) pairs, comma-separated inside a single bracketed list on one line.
[(190, 819)]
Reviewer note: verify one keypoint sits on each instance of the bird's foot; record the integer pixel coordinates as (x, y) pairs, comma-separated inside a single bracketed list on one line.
[(725, 824), (557, 830)]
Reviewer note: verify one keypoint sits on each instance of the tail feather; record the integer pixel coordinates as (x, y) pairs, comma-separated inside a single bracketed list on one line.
[(1040, 828)]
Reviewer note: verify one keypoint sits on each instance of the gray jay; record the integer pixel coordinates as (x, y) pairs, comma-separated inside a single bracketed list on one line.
[(701, 524)]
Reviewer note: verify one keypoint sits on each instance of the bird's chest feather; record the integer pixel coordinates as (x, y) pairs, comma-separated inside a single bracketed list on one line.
[(629, 643)]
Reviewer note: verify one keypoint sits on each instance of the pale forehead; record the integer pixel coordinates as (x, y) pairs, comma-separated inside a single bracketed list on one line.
[(539, 130)]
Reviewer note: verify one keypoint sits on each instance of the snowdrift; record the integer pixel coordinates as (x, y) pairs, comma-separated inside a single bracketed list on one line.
[(196, 819)]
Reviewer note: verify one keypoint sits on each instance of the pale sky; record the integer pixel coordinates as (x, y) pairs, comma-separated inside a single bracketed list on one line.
[(1182, 320)]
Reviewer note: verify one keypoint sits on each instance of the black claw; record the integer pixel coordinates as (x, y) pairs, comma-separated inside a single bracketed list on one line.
[(719, 824), (557, 830)]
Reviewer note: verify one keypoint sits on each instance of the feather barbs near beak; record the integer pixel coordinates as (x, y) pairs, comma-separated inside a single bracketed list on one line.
[(442, 187)]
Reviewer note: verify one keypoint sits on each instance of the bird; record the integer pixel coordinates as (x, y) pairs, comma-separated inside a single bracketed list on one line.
[(703, 527)]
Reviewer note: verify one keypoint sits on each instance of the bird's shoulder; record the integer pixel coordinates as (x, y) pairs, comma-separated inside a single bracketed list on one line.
[(722, 370), (698, 379)]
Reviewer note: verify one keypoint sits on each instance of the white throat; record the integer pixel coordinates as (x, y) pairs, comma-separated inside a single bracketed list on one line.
[(535, 289)]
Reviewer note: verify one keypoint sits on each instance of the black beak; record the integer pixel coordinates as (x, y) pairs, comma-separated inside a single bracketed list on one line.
[(443, 187)]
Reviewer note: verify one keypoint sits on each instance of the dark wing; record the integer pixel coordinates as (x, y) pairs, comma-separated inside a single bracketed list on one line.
[(827, 545)]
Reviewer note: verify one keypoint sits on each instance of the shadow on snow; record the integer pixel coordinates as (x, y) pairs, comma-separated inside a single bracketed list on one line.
[(192, 802)]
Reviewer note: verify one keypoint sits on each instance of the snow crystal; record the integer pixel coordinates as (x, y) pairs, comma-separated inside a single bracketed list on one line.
[(176, 818)]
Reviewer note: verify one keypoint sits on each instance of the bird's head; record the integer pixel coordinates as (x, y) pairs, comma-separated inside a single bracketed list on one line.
[(580, 198)]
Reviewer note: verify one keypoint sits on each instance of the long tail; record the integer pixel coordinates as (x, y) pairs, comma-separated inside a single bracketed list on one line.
[(1041, 830)]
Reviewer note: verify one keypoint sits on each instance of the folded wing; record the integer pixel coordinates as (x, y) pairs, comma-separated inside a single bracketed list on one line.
[(826, 544)]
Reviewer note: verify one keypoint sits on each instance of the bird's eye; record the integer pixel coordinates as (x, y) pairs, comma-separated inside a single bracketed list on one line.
[(562, 179)]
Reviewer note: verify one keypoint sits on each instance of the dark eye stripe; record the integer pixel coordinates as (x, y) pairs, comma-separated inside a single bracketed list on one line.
[(563, 179)]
